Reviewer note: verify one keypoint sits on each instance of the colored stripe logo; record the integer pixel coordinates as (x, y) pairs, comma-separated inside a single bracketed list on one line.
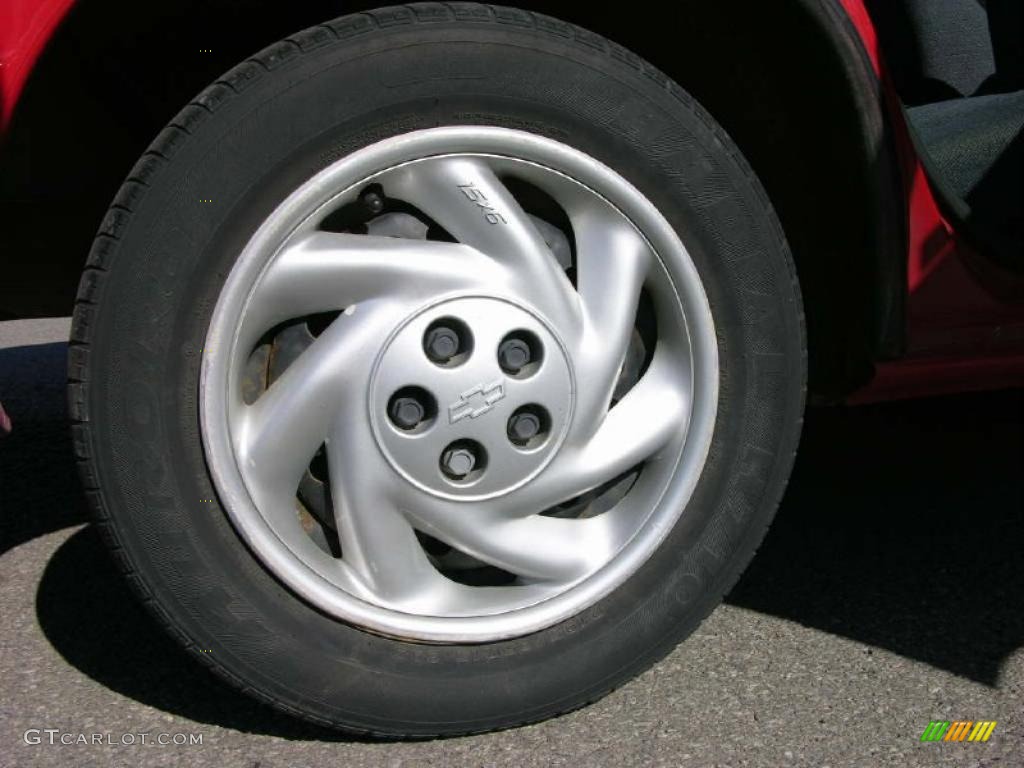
[(958, 730)]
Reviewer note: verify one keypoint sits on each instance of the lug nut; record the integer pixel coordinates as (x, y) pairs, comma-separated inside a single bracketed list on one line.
[(406, 412), (522, 427), (373, 200), (458, 462), (442, 344), (513, 355)]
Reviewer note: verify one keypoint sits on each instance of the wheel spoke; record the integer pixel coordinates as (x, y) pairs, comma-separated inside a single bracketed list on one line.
[(635, 430), (468, 199), (534, 548), (327, 271), (376, 539), (611, 265), (277, 436)]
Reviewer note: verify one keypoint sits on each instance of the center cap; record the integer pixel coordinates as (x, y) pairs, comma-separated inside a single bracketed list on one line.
[(471, 397)]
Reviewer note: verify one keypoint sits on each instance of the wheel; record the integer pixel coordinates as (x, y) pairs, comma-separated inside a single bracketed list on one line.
[(437, 370)]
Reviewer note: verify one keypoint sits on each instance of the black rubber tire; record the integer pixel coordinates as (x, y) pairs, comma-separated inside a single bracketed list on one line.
[(172, 233)]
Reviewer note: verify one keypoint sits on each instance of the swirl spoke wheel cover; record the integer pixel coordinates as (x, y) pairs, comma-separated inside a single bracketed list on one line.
[(492, 389)]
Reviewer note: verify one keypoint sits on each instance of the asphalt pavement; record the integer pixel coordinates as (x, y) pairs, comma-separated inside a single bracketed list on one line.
[(889, 593)]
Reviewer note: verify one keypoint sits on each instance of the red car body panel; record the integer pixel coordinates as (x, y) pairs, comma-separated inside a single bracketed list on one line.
[(25, 28), (964, 316)]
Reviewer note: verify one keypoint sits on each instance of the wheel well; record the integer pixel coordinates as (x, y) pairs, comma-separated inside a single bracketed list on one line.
[(791, 84), (787, 80)]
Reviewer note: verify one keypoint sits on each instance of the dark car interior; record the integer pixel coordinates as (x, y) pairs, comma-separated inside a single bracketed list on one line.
[(958, 66)]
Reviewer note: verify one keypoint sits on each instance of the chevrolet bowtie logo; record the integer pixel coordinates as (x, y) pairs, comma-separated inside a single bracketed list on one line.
[(476, 401)]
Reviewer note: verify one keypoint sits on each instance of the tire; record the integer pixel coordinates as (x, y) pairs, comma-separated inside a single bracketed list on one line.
[(156, 277)]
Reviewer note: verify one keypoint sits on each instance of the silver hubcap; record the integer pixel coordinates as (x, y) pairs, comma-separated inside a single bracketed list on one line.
[(504, 411)]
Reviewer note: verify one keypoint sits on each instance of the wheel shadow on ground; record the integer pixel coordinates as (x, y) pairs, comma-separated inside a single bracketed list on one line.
[(902, 528), (92, 618), (39, 490)]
